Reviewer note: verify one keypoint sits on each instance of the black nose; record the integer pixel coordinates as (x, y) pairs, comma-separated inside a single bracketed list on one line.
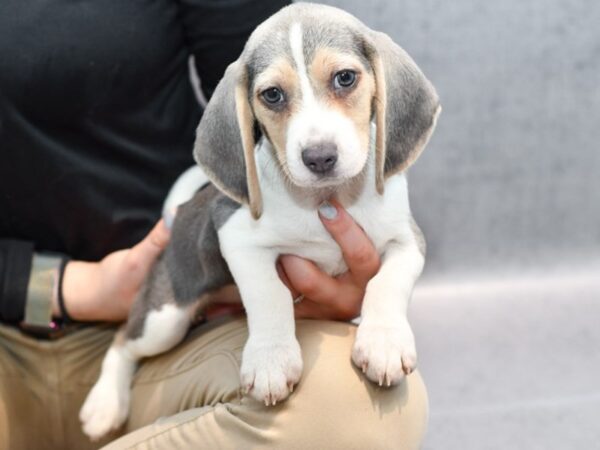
[(320, 158)]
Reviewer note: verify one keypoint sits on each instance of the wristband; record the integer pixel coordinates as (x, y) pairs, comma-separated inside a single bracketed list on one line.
[(45, 282), (40, 290)]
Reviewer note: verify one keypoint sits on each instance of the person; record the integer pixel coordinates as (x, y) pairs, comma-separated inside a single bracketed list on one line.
[(97, 120)]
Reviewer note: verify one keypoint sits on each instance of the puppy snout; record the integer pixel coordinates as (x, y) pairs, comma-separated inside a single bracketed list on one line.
[(320, 158)]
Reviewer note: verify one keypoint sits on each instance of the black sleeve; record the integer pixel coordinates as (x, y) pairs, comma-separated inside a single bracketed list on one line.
[(216, 31), (15, 268)]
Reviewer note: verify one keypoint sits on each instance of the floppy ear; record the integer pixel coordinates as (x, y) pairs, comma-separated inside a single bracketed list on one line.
[(406, 107), (224, 144)]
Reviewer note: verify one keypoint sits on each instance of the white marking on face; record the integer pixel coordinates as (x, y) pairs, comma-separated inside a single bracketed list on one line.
[(314, 124), (308, 95)]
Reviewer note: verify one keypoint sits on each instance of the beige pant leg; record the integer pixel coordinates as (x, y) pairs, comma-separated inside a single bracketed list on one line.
[(43, 385), (333, 407)]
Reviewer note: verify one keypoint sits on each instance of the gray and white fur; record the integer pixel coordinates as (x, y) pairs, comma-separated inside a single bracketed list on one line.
[(342, 112)]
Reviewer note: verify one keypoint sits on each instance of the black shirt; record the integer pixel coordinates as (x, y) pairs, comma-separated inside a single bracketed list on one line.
[(97, 118)]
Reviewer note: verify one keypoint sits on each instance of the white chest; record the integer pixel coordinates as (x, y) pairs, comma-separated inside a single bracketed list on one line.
[(286, 227)]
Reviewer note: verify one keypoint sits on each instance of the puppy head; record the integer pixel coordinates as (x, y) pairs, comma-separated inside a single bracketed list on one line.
[(311, 79)]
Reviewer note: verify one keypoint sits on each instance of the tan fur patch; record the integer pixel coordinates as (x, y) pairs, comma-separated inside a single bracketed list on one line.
[(356, 102), (280, 74), (244, 116), (380, 103)]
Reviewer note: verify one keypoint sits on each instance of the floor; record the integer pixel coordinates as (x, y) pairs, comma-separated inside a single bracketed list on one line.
[(511, 363)]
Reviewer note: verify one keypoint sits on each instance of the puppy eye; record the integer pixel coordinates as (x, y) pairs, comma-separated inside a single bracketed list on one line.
[(272, 95), (344, 79)]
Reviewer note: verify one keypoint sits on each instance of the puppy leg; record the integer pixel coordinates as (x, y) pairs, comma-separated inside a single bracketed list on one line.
[(107, 405), (385, 346), (271, 362)]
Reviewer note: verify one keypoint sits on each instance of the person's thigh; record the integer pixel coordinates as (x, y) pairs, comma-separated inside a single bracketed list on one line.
[(43, 384), (23, 400), (191, 397)]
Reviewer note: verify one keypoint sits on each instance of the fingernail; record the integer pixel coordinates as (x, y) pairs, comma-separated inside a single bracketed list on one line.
[(328, 211), (169, 217)]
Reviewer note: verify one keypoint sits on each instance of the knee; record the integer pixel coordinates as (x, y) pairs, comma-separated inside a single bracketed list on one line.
[(334, 395)]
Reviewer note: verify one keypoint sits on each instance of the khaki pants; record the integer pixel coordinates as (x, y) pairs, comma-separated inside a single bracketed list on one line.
[(190, 397)]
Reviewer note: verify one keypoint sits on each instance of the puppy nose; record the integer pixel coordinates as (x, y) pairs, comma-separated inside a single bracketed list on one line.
[(320, 158)]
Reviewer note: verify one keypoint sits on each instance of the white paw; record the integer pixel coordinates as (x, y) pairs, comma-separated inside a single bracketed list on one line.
[(105, 409), (385, 354), (270, 370)]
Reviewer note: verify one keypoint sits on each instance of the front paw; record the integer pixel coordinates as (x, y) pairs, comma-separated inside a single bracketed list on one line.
[(385, 354), (270, 370)]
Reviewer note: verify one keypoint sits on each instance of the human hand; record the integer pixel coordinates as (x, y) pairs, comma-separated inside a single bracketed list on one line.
[(104, 291), (333, 298)]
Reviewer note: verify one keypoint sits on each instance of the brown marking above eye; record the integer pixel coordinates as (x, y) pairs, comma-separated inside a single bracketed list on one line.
[(355, 101), (327, 64), (278, 75)]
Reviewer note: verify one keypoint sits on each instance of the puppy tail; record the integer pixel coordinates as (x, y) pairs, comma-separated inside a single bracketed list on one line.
[(184, 188)]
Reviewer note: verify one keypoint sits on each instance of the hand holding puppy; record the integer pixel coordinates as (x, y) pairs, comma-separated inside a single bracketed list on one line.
[(326, 297), (105, 290)]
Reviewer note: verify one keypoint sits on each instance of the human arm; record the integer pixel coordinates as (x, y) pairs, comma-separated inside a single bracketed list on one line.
[(325, 297), (105, 290), (92, 291)]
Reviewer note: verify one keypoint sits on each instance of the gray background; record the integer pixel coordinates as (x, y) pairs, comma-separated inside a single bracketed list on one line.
[(507, 314)]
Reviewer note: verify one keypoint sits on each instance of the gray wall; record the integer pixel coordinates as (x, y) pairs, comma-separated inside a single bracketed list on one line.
[(511, 179)]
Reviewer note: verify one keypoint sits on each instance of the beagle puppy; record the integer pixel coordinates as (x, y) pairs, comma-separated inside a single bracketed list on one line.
[(318, 106)]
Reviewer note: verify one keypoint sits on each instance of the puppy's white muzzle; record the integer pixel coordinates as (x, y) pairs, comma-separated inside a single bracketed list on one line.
[(323, 148)]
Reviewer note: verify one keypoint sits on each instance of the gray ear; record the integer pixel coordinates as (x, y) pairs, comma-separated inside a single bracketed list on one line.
[(406, 107), (224, 144)]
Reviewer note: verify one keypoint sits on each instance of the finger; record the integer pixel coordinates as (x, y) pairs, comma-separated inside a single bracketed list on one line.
[(306, 278), (358, 250), (143, 255), (169, 217)]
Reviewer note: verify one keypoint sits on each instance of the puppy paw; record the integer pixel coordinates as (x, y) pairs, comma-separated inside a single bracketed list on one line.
[(105, 409), (385, 354), (270, 371)]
